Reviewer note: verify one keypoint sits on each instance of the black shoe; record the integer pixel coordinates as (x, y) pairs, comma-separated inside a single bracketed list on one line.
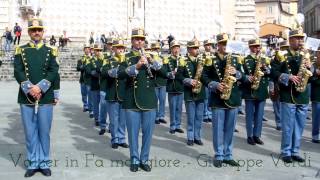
[(209, 120), (162, 121), (298, 159), (109, 131), (97, 123), (124, 145), (251, 141), (46, 172), (102, 131), (308, 118), (134, 167), (85, 110), (264, 119), (172, 131), (179, 130), (30, 172), (231, 163), (315, 141), (217, 163), (278, 128), (257, 140), (205, 120), (145, 167), (114, 146), (157, 122), (287, 159), (190, 142), (236, 130), (241, 112), (91, 116), (199, 142)]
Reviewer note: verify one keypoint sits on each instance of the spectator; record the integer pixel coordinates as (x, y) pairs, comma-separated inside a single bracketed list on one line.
[(8, 40), (61, 42), (53, 41), (170, 39), (91, 39), (17, 32), (103, 39)]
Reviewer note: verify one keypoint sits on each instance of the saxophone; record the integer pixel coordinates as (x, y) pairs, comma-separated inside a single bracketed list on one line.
[(304, 74), (257, 74), (197, 88), (227, 80)]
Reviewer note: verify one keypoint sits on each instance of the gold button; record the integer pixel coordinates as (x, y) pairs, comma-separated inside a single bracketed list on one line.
[(135, 86)]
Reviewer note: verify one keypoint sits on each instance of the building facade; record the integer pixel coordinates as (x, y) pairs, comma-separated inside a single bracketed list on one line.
[(311, 11)]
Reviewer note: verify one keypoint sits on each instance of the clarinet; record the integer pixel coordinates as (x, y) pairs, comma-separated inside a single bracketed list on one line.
[(148, 66)]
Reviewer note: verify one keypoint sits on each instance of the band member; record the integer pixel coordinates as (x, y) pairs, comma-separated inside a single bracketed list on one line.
[(315, 98), (255, 90), (92, 68), (194, 94), (80, 67), (174, 87), (107, 51), (36, 70), (161, 82), (140, 99), (221, 76), (207, 44), (115, 88), (274, 85), (293, 75)]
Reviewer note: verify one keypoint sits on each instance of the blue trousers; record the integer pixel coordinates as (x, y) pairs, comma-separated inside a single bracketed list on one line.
[(293, 118), (90, 104), (84, 95), (254, 116), (117, 122), (175, 107), (95, 95), (224, 124), (37, 133), (315, 120), (103, 108), (161, 96), (276, 110), (135, 120), (207, 110), (194, 117)]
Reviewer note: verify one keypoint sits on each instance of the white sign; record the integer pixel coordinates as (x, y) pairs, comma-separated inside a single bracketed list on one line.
[(237, 47), (312, 43)]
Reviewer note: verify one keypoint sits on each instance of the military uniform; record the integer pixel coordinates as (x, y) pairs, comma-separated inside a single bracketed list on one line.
[(36, 64), (255, 99), (139, 103), (194, 102), (83, 89), (115, 89), (294, 104), (224, 112), (174, 88)]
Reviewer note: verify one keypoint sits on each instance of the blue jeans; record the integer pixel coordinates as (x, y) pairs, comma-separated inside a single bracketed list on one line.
[(254, 116), (293, 118), (95, 95), (175, 107), (276, 110), (7, 46), (117, 122), (195, 117), (37, 133), (135, 120), (90, 105), (161, 96), (315, 120), (207, 111), (103, 108), (84, 95), (224, 124)]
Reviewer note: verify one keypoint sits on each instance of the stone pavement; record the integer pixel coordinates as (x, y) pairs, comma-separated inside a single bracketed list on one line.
[(78, 152)]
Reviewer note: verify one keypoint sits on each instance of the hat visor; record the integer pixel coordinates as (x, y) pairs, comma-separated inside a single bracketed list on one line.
[(97, 48), (193, 46), (210, 43), (254, 44), (119, 45), (174, 45), (296, 35), (157, 47), (222, 40), (36, 27), (139, 36)]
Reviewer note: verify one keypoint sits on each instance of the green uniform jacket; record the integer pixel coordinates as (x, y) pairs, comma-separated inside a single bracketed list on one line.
[(290, 65), (160, 77), (188, 70), (139, 90), (315, 85), (174, 85), (214, 72), (249, 67), (102, 80), (91, 68), (86, 76), (114, 86), (80, 67), (36, 63)]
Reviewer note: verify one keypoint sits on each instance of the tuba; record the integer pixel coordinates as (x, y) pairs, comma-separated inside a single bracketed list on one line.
[(228, 80)]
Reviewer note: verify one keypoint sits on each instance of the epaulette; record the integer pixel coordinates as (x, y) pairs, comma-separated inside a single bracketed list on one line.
[(182, 61), (267, 60), (208, 62), (165, 60), (54, 50), (18, 50), (240, 59)]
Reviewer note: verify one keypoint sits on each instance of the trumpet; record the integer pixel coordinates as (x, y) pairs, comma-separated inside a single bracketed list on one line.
[(148, 57)]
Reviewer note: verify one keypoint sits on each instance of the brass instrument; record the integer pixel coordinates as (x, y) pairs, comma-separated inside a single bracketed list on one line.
[(228, 80), (197, 88), (304, 74), (148, 57), (257, 74)]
